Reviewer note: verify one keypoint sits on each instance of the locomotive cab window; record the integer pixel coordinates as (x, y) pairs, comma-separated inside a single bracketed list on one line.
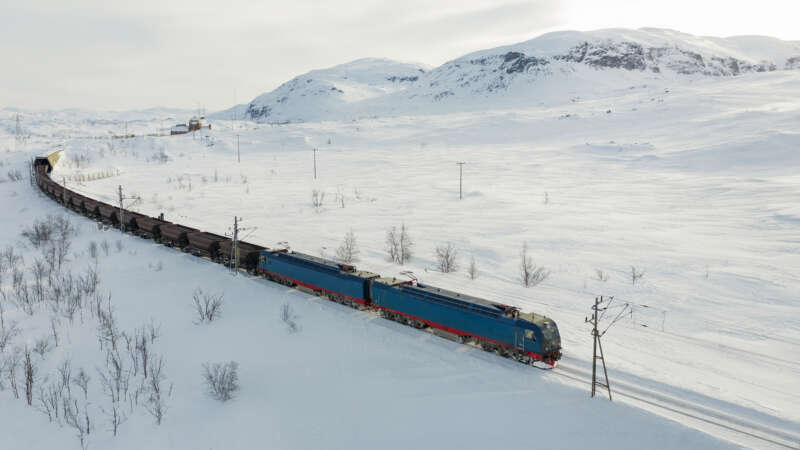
[(529, 335)]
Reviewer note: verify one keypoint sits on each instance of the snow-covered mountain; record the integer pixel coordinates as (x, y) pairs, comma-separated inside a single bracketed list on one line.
[(553, 65), (320, 93)]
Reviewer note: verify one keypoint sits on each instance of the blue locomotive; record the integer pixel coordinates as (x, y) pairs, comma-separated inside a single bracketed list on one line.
[(496, 327)]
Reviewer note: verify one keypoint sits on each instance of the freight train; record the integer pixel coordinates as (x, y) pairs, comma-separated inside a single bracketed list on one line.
[(526, 337)]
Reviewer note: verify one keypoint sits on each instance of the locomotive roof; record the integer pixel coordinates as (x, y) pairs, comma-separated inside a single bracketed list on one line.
[(331, 264), (499, 307)]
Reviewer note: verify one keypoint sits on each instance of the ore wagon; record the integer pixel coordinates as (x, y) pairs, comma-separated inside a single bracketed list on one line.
[(175, 235)]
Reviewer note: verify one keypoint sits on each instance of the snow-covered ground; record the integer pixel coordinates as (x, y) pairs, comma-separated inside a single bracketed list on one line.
[(691, 180)]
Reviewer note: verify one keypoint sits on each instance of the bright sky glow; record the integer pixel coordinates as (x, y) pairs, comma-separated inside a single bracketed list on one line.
[(123, 55)]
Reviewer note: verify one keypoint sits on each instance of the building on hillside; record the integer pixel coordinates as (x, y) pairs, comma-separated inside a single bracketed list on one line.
[(180, 128)]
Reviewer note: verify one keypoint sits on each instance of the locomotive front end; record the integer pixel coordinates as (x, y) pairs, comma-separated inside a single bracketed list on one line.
[(551, 347)]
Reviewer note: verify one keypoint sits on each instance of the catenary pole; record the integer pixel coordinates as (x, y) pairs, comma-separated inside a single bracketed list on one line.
[(460, 178)]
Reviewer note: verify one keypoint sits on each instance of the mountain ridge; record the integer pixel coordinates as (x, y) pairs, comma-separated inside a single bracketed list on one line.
[(515, 72)]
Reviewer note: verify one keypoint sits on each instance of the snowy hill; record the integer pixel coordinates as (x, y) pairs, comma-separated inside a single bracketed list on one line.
[(322, 93), (553, 66)]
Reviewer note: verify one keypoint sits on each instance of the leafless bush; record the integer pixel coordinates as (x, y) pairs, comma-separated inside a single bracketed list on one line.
[(11, 258), (473, 269), (160, 156), (447, 257), (49, 400), (288, 317), (77, 420), (89, 281), (530, 273), (65, 376), (108, 333), (54, 322), (10, 365), (50, 229), (222, 379), (93, 250), (7, 334), (105, 246), (81, 379), (38, 234), (29, 371), (208, 307), (14, 175), (40, 273), (601, 276), (636, 275), (399, 244), (42, 346), (317, 198), (348, 251), (115, 380), (156, 402), (23, 297)]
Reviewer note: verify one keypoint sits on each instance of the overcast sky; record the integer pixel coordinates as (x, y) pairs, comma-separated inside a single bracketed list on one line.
[(117, 55)]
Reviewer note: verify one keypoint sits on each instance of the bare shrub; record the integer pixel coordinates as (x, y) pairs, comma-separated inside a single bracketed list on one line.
[(317, 198), (208, 307), (38, 234), (10, 365), (399, 244), (115, 380), (636, 275), (473, 269), (105, 246), (65, 376), (77, 420), (348, 251), (108, 334), (49, 230), (29, 371), (11, 258), (601, 276), (49, 400), (447, 257), (40, 273), (222, 379), (530, 273), (93, 250), (42, 346), (88, 282), (54, 322), (119, 246), (156, 401), (288, 317), (81, 379), (14, 175), (7, 334)]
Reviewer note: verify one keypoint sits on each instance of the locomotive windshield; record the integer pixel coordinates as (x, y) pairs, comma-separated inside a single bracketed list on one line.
[(550, 333)]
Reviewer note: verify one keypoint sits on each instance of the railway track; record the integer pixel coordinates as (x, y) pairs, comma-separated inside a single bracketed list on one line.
[(737, 429)]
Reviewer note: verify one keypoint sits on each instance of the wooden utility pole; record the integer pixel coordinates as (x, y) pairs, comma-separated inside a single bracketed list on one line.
[(460, 178)]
